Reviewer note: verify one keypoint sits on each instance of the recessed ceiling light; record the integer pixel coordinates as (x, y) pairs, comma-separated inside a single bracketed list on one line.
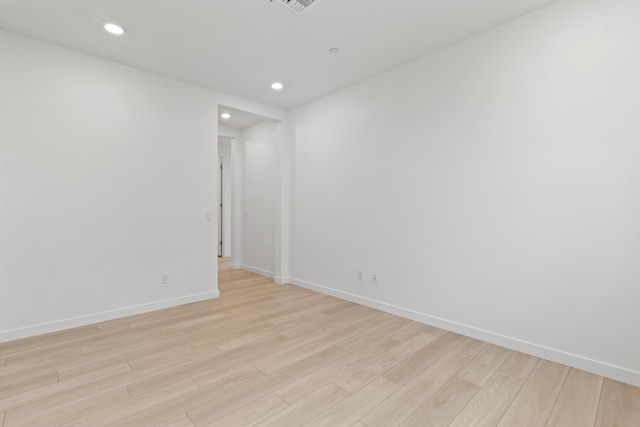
[(225, 116), (334, 50), (113, 28), (277, 86)]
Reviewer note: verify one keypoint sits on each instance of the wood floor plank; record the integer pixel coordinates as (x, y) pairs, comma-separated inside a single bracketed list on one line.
[(484, 365), (176, 355), (246, 337), (358, 326), (47, 341), (359, 315), (348, 307), (471, 346), (305, 299), (180, 421), (356, 378), (409, 398), (534, 403), (118, 355), (252, 413), (17, 387), (577, 403), (310, 323), (116, 325), (115, 413), (619, 405), (373, 334), (308, 408), (414, 328), (76, 409), (265, 315), (60, 387), (349, 410), (301, 312), (159, 413), (519, 364), (107, 342), (19, 374), (33, 367), (444, 406), (202, 320), (490, 403), (250, 355), (276, 363), (306, 385), (187, 370), (406, 370), (73, 395), (210, 410), (30, 359), (164, 379)]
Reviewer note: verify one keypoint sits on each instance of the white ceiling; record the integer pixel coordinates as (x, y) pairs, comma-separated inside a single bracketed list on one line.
[(241, 46)]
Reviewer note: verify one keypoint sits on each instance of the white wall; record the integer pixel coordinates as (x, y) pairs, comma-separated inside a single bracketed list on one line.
[(106, 173), (260, 197), (237, 202), (227, 131), (494, 187)]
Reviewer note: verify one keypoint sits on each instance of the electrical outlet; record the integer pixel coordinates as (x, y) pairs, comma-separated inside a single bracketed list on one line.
[(374, 278), (208, 216), (164, 278), (360, 275)]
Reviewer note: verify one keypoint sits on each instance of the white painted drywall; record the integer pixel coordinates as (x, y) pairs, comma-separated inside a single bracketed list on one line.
[(227, 131), (237, 203), (260, 197), (494, 187), (106, 173)]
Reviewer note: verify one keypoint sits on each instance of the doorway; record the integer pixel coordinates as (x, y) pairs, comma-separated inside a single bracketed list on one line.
[(248, 190), (225, 194), (221, 216)]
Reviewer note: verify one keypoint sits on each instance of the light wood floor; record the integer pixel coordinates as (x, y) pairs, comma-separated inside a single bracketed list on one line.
[(277, 355)]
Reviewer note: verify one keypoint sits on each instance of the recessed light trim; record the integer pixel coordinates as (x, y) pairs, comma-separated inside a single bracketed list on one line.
[(225, 116), (277, 86), (334, 50), (113, 28)]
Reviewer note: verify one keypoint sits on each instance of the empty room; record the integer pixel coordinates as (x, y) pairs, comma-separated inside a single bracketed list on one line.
[(319, 212)]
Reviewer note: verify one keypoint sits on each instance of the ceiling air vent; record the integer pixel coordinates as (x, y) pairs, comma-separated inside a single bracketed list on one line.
[(294, 7)]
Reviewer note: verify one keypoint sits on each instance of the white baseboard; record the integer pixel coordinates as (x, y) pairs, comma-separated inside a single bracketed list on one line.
[(579, 362), (235, 266), (259, 271), (281, 280), (58, 325)]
